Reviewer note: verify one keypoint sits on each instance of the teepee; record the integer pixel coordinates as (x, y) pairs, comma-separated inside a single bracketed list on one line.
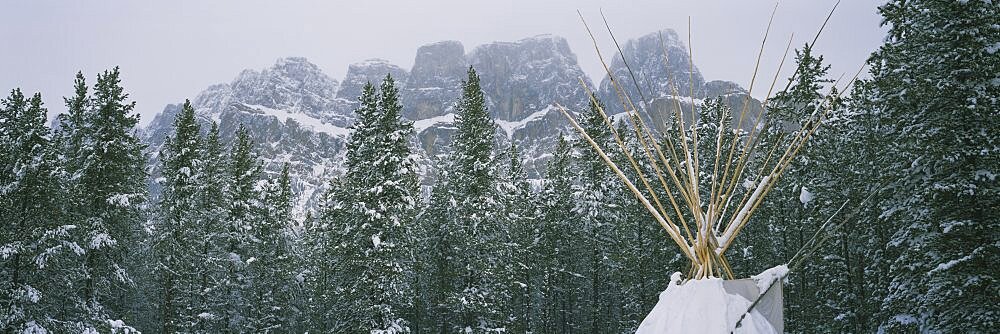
[(705, 210)]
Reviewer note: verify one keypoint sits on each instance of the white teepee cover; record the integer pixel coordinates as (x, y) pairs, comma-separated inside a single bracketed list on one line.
[(714, 305)]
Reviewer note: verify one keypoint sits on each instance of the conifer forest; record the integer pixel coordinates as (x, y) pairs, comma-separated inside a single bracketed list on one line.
[(207, 225)]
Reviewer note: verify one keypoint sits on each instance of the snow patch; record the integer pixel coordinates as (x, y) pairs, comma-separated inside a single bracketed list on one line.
[(121, 200), (33, 327), (510, 126), (805, 196), (118, 326), (101, 240), (993, 48), (424, 124), (949, 264), (304, 120), (768, 277)]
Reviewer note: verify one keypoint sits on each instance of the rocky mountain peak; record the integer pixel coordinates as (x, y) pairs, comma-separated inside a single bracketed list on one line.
[(528, 75), (435, 81), (440, 64), (293, 84), (370, 70), (654, 76), (301, 116), (721, 87)]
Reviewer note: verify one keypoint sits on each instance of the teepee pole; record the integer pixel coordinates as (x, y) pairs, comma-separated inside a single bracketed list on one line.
[(621, 144), (752, 139), (644, 137), (671, 230)]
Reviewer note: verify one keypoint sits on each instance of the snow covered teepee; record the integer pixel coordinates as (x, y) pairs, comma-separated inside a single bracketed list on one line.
[(708, 206)]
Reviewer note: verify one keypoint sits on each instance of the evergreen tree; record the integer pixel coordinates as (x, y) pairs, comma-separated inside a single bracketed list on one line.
[(599, 214), (560, 282), (436, 268), (106, 198), (211, 254), (323, 235), (36, 248), (274, 273), (73, 124), (935, 82), (470, 234), (521, 218), (179, 225), (373, 218), (244, 194), (788, 218)]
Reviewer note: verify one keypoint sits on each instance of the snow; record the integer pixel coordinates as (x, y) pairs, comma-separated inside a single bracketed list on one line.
[(33, 327), (731, 229), (121, 200), (993, 48), (424, 124), (510, 126), (766, 278), (7, 251), (805, 196), (32, 294), (304, 120), (950, 264), (118, 326), (371, 62), (704, 306), (101, 240)]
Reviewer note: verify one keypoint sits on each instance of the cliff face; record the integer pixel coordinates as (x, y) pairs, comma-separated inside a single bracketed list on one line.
[(663, 79)]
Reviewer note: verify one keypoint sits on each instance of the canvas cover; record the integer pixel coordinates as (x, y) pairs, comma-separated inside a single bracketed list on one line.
[(715, 306)]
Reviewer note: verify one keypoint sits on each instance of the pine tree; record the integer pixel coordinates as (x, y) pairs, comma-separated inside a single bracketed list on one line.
[(521, 219), (36, 248), (73, 124), (436, 268), (560, 282), (469, 232), (274, 274), (935, 81), (598, 217), (322, 237), (108, 192), (212, 200), (373, 218), (179, 225), (243, 192), (789, 217)]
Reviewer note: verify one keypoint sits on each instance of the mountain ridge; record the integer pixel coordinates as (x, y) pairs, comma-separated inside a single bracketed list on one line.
[(299, 115)]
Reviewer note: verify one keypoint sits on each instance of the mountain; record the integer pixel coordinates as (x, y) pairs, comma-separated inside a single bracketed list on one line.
[(292, 112), (657, 73), (522, 81), (371, 70), (299, 115)]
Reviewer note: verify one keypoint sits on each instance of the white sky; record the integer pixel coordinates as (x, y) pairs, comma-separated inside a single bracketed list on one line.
[(171, 50)]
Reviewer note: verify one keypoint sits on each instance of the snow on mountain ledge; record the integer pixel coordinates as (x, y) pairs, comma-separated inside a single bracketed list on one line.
[(509, 127), (305, 121)]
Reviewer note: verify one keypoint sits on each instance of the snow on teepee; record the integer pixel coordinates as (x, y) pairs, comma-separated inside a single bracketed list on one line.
[(703, 211)]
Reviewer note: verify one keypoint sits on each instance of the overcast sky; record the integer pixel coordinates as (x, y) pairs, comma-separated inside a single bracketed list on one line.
[(171, 50)]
